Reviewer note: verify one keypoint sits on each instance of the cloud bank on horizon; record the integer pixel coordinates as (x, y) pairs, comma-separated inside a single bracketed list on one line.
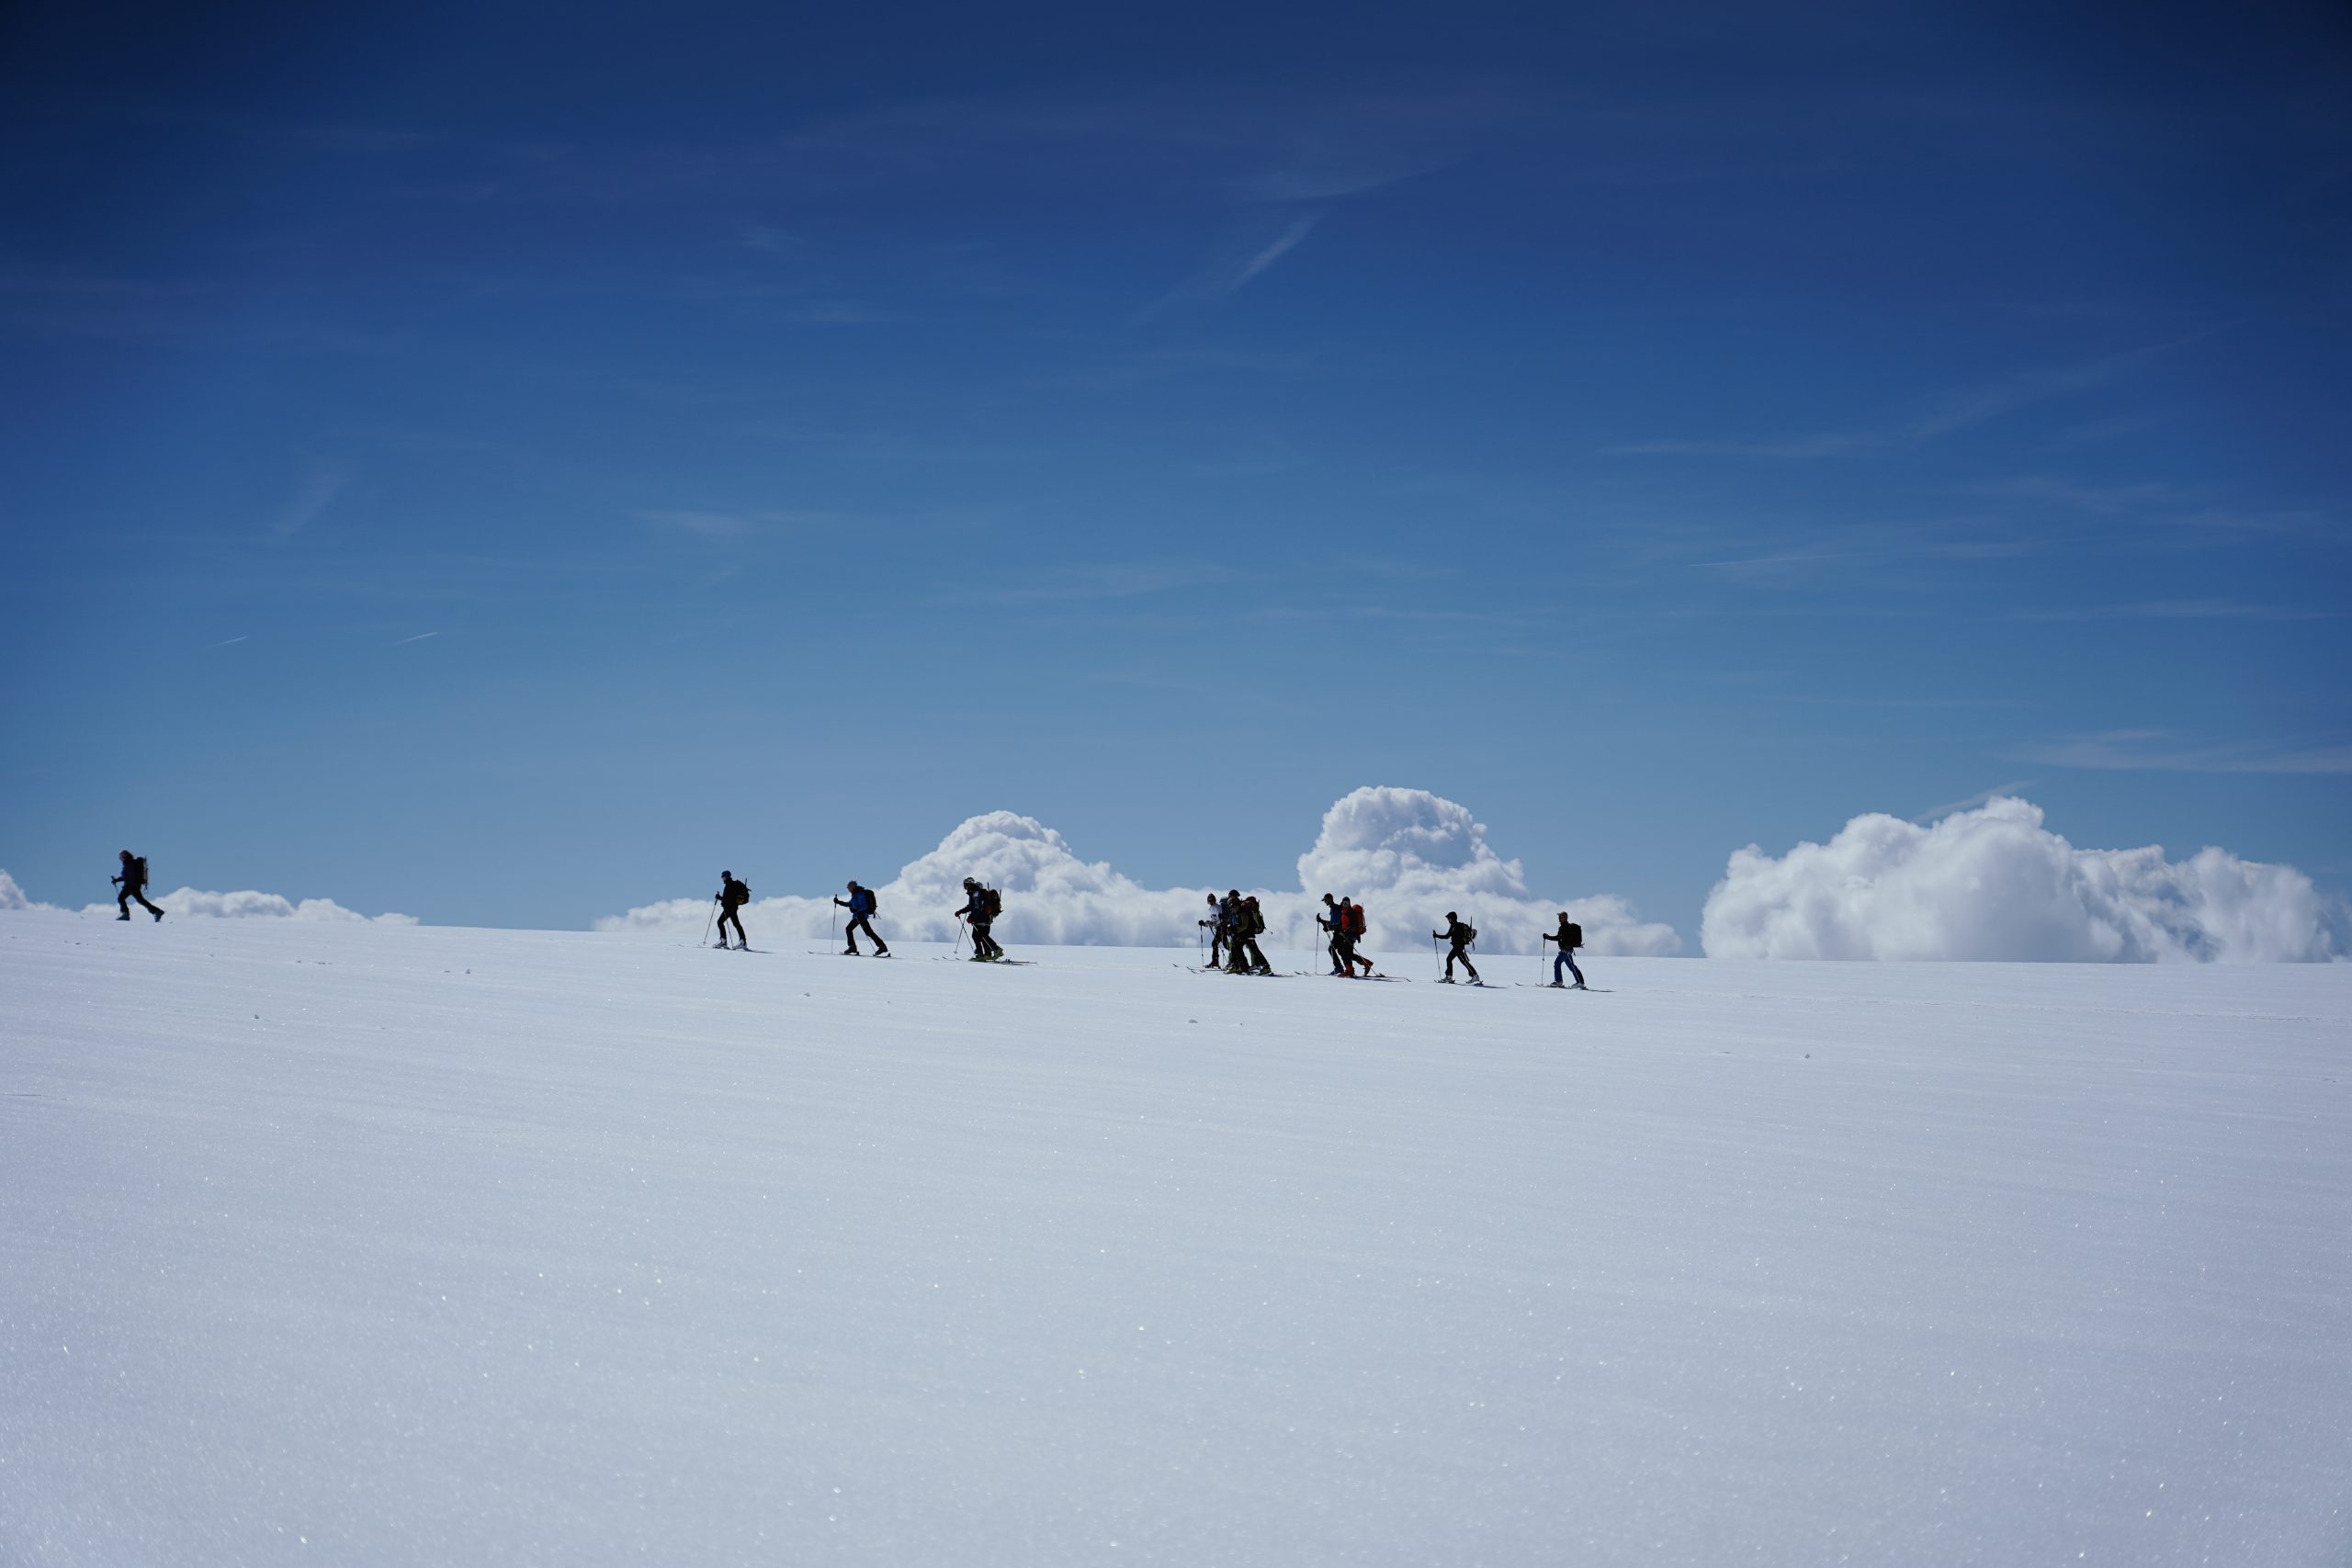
[(1406, 854), (191, 903), (1993, 883)]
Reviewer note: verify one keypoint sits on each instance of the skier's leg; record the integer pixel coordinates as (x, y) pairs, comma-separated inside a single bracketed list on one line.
[(1569, 954), (122, 903)]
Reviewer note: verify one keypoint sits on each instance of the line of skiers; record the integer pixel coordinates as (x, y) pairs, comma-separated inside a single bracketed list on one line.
[(982, 907), (1233, 926)]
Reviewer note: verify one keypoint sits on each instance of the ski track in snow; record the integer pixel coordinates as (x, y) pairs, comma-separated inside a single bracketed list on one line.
[(368, 1245)]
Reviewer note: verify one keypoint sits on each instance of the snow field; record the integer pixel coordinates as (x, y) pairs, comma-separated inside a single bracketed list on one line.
[(365, 1243)]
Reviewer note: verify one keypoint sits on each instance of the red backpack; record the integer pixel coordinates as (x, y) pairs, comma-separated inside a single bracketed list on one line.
[(1352, 921)]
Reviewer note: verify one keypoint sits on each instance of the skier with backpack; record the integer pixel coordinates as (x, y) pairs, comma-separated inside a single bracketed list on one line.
[(861, 905), (1335, 922), (1215, 926), (1242, 954), (732, 896), (1458, 938), (1570, 936), (133, 882), (982, 907)]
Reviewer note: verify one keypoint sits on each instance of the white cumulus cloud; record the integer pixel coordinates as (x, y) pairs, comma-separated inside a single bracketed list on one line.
[(1406, 854), (12, 896), (1995, 883)]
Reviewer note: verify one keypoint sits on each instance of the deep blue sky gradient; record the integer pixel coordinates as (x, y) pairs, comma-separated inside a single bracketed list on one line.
[(503, 463)]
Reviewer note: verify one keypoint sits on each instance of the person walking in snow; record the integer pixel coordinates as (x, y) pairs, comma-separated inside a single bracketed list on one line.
[(732, 897), (1570, 936), (982, 907), (861, 905), (1458, 938), (1214, 925), (1242, 953), (133, 882)]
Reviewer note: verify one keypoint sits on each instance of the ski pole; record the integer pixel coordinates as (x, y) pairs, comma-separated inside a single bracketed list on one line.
[(712, 915), (959, 935)]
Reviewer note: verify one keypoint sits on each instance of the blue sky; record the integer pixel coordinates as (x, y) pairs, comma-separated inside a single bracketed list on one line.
[(503, 464)]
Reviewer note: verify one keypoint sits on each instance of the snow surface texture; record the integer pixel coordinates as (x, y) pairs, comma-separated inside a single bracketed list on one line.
[(1993, 883), (353, 1243), (1405, 854)]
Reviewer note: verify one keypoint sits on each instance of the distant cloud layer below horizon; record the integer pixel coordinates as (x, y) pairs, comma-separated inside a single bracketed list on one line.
[(1993, 883), (1406, 854), (191, 903)]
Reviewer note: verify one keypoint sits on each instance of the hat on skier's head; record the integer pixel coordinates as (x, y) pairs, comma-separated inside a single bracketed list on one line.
[(970, 882), (1327, 897), (1233, 893), (1251, 900), (126, 854), (1449, 914)]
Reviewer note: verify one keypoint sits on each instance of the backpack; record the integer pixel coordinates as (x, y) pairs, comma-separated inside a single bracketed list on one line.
[(1572, 935), (742, 891), (1352, 921), (1469, 933), (991, 902), (872, 901), (139, 869)]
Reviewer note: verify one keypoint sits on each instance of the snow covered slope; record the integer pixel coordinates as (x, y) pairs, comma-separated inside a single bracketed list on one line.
[(369, 1245)]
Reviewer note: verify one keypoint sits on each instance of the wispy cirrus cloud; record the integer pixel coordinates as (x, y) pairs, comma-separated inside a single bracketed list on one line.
[(711, 523), (319, 483), (1074, 584), (2161, 750), (1227, 276), (2176, 610), (1948, 416)]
